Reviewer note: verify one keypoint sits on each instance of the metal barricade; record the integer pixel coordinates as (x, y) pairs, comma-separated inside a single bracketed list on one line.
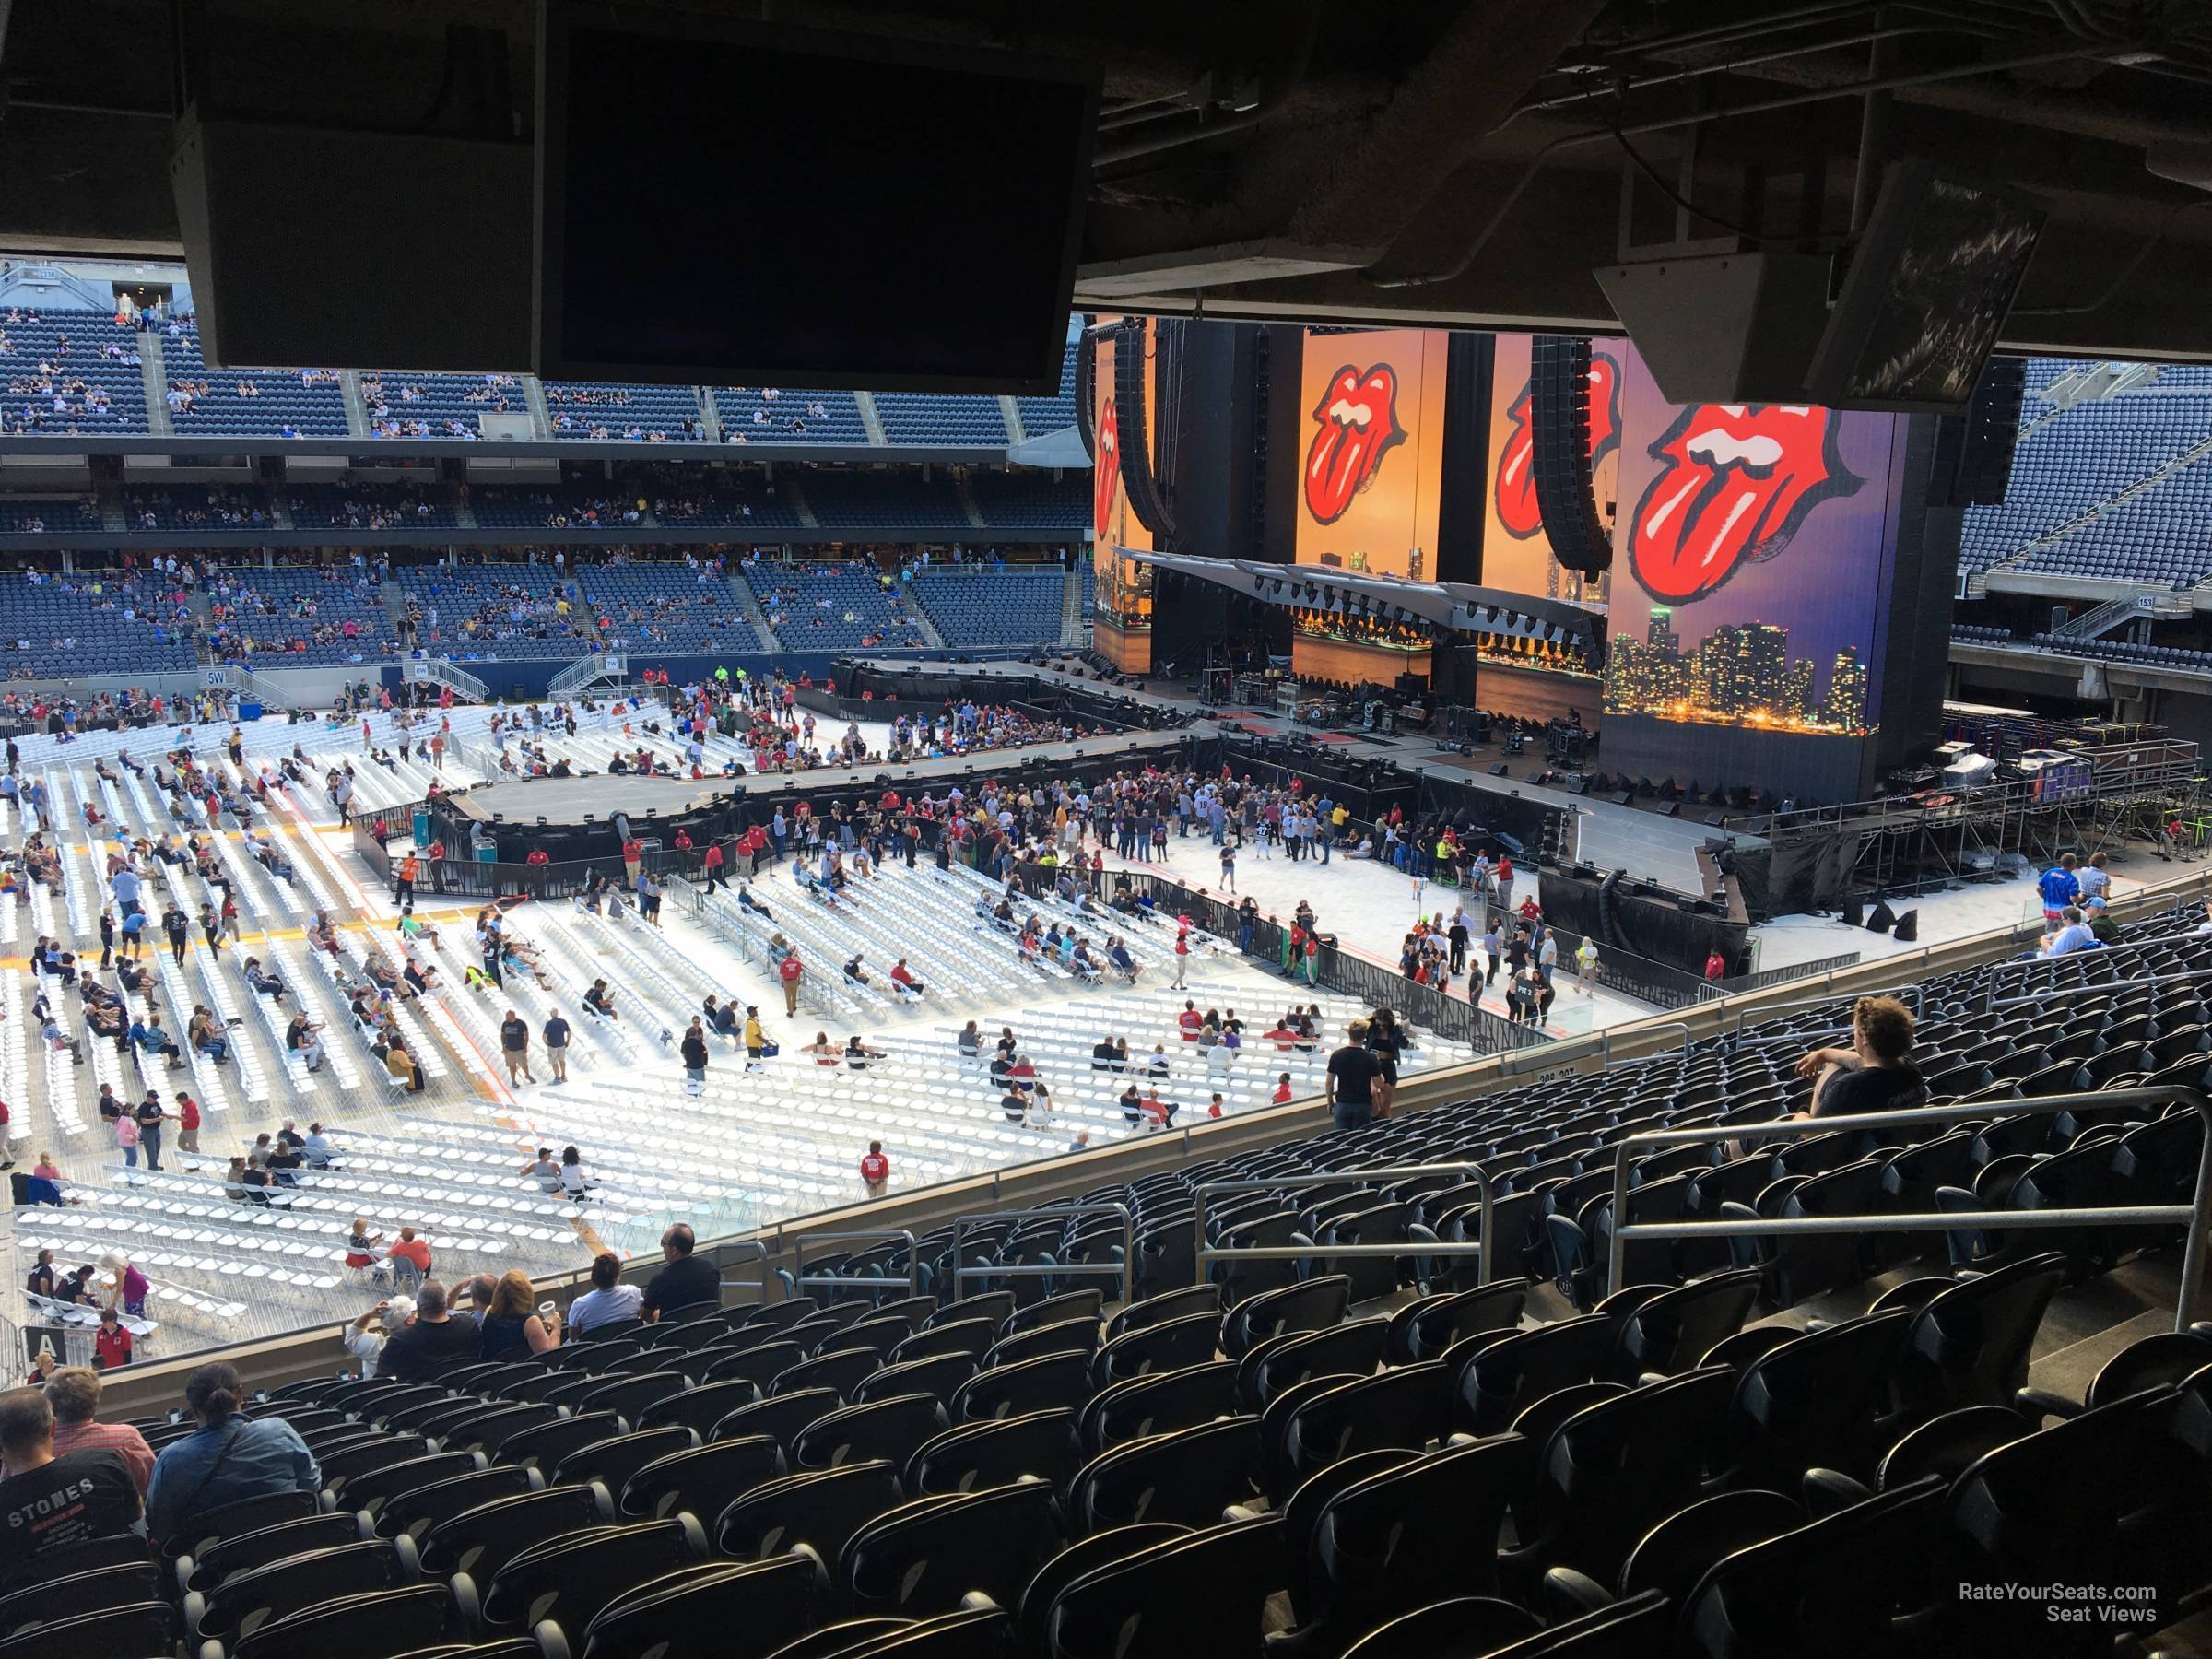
[(802, 1281), (1126, 1271), (1207, 1253), (2193, 1216)]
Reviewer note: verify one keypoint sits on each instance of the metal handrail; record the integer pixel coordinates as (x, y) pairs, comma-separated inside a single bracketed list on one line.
[(2193, 1215), (1768, 1010), (1204, 1253), (1604, 1047), (911, 1280), (1126, 1271), (2096, 988)]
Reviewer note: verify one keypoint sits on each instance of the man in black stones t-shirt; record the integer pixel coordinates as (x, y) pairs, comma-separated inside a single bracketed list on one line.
[(1352, 1073), (51, 1503)]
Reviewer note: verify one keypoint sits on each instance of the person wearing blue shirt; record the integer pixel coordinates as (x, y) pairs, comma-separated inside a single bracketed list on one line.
[(2059, 887), (228, 1459)]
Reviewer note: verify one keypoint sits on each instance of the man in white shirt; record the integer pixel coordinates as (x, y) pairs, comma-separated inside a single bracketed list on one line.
[(2073, 935)]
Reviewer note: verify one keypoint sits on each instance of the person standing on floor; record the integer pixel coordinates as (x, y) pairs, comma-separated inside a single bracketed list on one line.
[(515, 1046), (555, 1037), (695, 1058), (1183, 956), (875, 1171), (788, 971), (150, 1118)]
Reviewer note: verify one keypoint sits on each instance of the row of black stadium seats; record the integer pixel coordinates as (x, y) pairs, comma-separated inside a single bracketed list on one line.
[(1653, 1478)]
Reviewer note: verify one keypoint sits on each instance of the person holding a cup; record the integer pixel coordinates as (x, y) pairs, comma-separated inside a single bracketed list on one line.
[(511, 1323)]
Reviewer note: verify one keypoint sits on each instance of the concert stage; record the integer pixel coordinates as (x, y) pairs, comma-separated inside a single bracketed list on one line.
[(577, 800)]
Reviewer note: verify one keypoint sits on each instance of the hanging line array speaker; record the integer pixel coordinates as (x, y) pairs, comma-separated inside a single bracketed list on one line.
[(1560, 433), (1972, 467), (1147, 495)]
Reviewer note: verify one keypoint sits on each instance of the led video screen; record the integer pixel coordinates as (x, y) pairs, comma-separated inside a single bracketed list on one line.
[(1753, 555)]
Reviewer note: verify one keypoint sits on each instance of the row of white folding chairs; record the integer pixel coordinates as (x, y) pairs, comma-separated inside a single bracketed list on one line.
[(303, 1209)]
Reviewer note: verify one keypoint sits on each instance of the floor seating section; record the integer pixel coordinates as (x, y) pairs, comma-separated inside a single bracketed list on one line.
[(59, 353), (90, 623), (667, 608), (251, 402), (833, 608), (972, 605)]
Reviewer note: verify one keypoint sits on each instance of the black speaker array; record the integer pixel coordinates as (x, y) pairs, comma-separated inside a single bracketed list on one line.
[(1560, 433), (1972, 465), (1147, 499)]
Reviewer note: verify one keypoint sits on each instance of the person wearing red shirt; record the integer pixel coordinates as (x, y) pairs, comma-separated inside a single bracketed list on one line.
[(633, 855), (711, 863), (788, 970), (411, 1249), (875, 1171), (1282, 1089), (1191, 1022), (188, 1124), (683, 840), (110, 1343), (1183, 955), (537, 859)]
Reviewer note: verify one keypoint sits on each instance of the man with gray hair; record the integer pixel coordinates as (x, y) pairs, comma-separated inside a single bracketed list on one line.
[(73, 1393), (51, 1503)]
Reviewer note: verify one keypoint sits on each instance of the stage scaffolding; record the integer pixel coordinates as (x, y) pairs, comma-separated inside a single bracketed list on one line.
[(1934, 837)]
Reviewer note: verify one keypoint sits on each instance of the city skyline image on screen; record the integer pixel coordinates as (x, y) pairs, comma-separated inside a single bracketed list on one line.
[(1755, 546)]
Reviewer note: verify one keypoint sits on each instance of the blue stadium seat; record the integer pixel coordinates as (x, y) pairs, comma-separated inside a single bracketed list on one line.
[(298, 616), (832, 607), (668, 608), (91, 622), (69, 372), (974, 605), (914, 418), (305, 403), (495, 613), (787, 415)]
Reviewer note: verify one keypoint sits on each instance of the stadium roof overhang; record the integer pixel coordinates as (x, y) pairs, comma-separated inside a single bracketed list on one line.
[(1446, 607), (1457, 162)]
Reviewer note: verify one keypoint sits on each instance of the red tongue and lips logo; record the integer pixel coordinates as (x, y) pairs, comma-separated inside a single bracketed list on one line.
[(1106, 467), (1515, 487), (1358, 415), (1737, 484)]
